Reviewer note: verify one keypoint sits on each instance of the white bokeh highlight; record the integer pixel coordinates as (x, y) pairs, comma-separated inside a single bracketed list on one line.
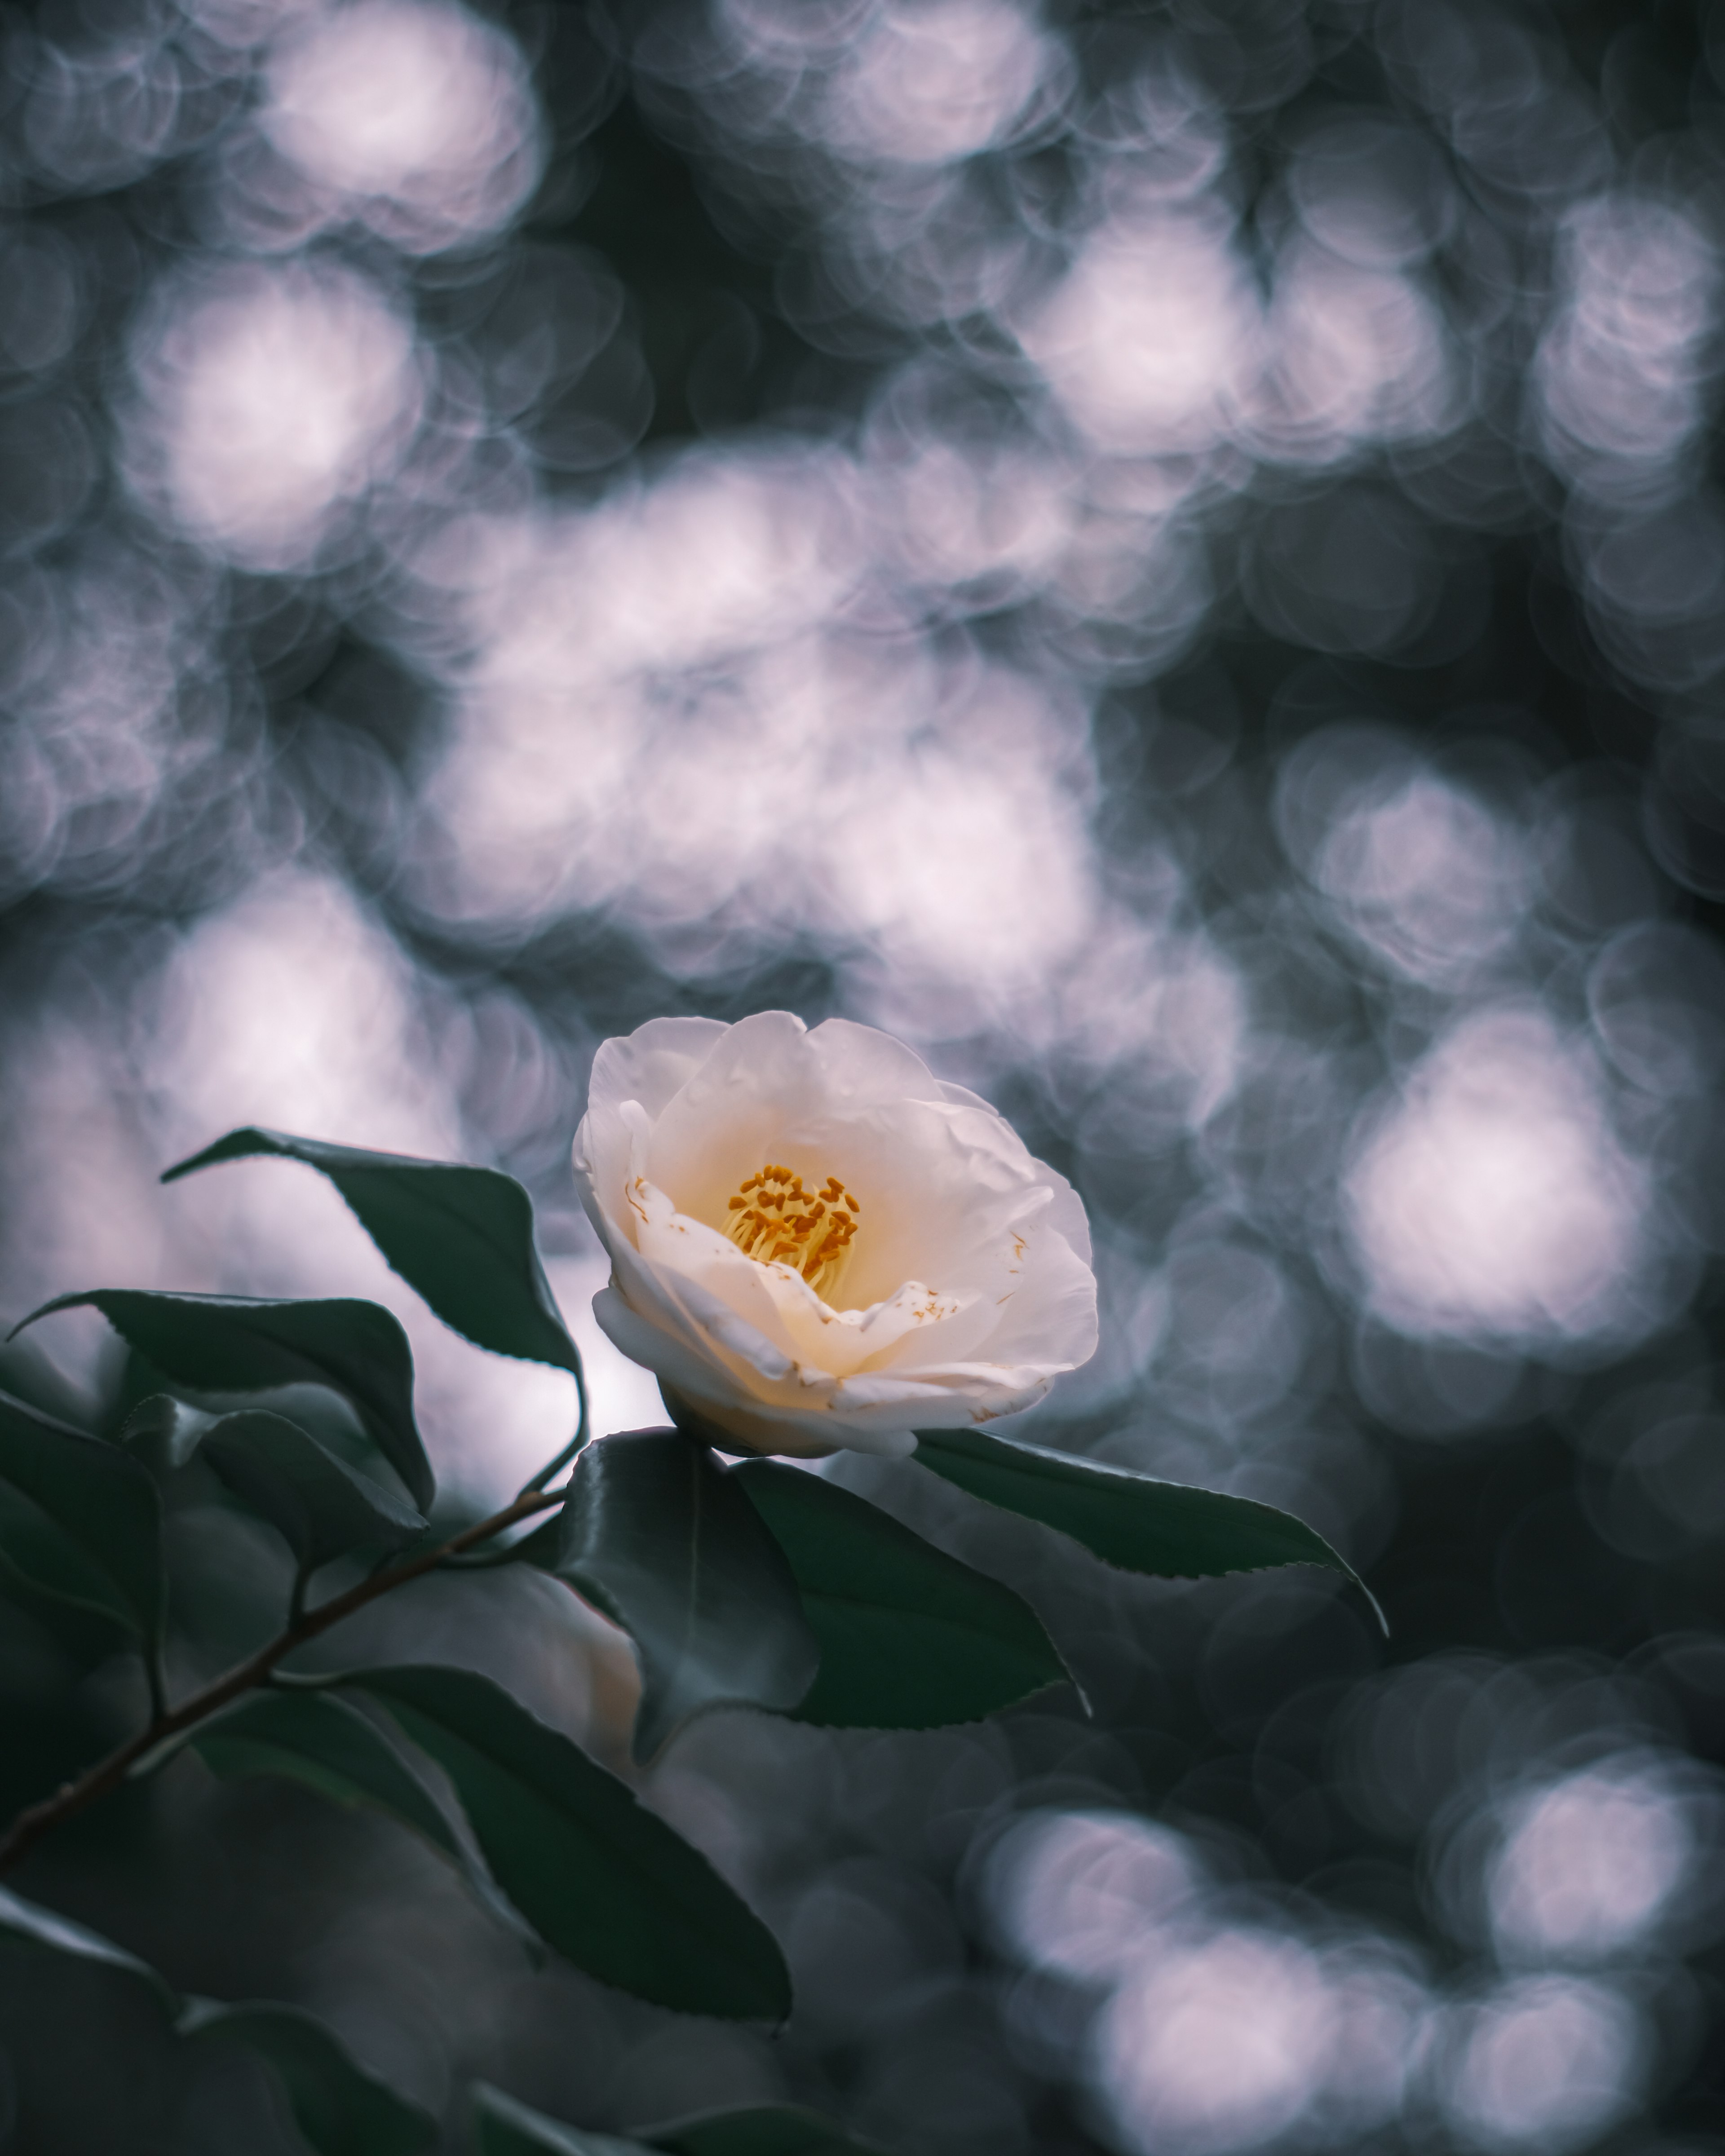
[(1493, 1197), (412, 114), (274, 398)]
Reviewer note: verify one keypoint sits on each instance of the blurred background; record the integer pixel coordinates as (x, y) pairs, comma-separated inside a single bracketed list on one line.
[(1173, 556)]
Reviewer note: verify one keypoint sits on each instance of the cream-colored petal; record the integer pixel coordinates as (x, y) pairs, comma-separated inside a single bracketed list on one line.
[(654, 1063), (967, 1287), (770, 1087), (649, 1066)]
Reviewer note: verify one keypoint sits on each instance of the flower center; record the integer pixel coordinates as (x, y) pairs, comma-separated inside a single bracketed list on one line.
[(775, 1221)]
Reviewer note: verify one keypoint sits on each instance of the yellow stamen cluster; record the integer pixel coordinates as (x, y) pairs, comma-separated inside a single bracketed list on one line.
[(774, 1220)]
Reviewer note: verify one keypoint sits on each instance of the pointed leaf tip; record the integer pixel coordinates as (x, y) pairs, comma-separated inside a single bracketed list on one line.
[(1166, 1530), (461, 1237), (602, 1879)]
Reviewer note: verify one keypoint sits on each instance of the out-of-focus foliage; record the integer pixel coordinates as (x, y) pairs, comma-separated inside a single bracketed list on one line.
[(1172, 555)]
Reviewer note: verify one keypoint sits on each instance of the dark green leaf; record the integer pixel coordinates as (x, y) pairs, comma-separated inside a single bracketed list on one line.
[(230, 1343), (164, 1430), (910, 1638), (30, 1375), (320, 1506), (760, 2129), (1166, 1529), (101, 1500), (40, 1561), (340, 2108), (659, 1538), (313, 1737), (509, 2128), (599, 1877), (331, 1748), (460, 1237), (37, 1926)]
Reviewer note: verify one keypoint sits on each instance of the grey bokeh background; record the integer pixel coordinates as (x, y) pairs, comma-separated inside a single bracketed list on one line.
[(1172, 557)]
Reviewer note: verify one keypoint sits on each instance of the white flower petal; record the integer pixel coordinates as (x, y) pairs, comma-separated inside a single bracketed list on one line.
[(966, 1290)]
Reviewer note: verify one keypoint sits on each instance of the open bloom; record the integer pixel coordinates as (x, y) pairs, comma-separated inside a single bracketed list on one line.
[(816, 1244)]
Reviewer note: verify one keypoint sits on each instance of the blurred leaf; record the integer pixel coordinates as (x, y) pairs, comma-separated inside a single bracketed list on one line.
[(659, 1538), (1166, 1529), (910, 1638), (166, 1431), (509, 2128), (599, 1876), (30, 1375), (757, 2129), (230, 1343), (41, 1564), (330, 1746), (313, 1737), (321, 1506), (37, 1926), (102, 1501), (460, 1237), (340, 2108)]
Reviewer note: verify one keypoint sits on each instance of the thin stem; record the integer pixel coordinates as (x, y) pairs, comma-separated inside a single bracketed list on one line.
[(575, 1443), (36, 1819)]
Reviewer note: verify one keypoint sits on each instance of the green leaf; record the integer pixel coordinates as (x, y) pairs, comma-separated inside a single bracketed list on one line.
[(320, 1506), (760, 2129), (910, 1638), (659, 1538), (597, 1876), (510, 2128), (462, 1238), (230, 1343), (101, 1500), (1166, 1529), (315, 1739), (39, 1561), (340, 2108), (166, 1431), (30, 1375), (328, 1745), (37, 1926)]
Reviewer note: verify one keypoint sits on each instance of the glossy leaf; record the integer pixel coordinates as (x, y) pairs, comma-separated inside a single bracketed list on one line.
[(164, 1430), (320, 1506), (229, 1343), (910, 1638), (45, 1928), (759, 2129), (509, 2128), (657, 1535), (340, 2109), (597, 1876), (1166, 1529), (460, 1237), (101, 1500)]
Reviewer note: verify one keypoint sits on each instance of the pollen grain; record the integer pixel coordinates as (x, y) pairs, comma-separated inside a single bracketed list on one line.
[(774, 1219)]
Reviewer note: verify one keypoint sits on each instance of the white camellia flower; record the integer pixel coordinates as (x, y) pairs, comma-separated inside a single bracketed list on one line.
[(816, 1244)]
